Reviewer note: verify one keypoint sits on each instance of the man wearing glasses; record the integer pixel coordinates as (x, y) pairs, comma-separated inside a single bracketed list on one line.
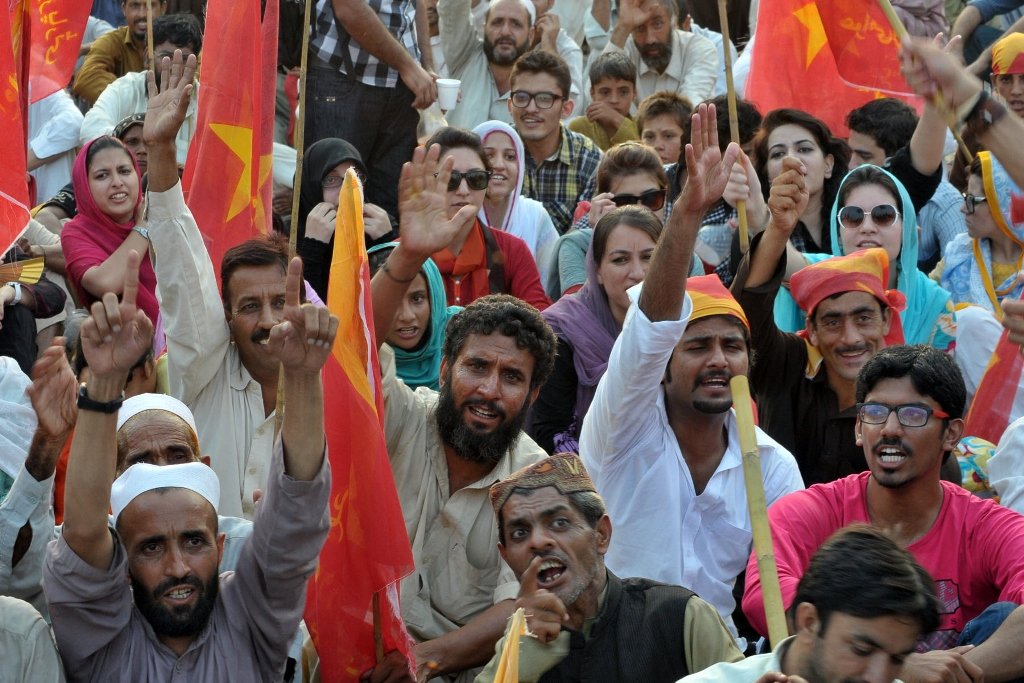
[(910, 403), (560, 164)]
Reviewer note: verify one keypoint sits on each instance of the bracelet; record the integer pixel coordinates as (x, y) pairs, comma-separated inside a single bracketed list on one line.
[(387, 271), (142, 231), (86, 403)]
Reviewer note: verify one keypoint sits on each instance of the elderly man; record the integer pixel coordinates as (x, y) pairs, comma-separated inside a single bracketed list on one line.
[(589, 624), (666, 57), (858, 613), (661, 440), (910, 404), (447, 448), (176, 615)]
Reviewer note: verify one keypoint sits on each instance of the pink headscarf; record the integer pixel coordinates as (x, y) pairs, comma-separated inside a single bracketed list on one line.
[(92, 236)]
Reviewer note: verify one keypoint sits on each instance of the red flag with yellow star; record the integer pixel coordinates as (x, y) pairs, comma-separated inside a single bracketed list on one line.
[(367, 550), (56, 37), (14, 197), (825, 57), (227, 181)]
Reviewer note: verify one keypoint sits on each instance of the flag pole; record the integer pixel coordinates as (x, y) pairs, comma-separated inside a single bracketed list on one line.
[(734, 126), (936, 100), (149, 35), (764, 550)]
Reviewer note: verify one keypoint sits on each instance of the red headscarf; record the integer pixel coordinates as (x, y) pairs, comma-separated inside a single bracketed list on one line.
[(92, 236)]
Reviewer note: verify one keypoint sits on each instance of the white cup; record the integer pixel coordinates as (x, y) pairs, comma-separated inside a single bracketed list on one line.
[(447, 93)]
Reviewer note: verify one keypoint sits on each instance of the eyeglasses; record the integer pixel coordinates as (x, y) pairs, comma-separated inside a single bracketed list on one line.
[(332, 181), (909, 415), (882, 215), (477, 179), (544, 100), (971, 201), (652, 199)]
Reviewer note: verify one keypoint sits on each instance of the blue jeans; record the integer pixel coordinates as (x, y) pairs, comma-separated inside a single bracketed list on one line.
[(379, 122), (980, 628)]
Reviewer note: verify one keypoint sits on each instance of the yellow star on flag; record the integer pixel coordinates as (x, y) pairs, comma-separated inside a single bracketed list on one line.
[(816, 38), (239, 140)]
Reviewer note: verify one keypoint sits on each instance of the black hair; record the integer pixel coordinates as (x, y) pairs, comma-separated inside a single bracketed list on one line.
[(180, 30), (268, 250), (634, 216), (588, 503), (612, 65), (888, 121), (450, 138), (870, 174), (932, 372), (541, 62), (105, 142)]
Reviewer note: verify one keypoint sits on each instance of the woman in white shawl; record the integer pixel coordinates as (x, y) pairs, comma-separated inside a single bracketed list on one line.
[(505, 207)]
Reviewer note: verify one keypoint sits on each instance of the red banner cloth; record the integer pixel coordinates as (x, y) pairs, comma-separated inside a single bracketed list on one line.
[(14, 196), (57, 28)]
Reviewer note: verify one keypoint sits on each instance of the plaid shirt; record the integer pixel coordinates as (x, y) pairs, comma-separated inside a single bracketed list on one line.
[(566, 178), (333, 45)]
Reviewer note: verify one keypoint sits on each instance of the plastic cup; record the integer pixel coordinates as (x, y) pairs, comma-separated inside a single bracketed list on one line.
[(447, 93)]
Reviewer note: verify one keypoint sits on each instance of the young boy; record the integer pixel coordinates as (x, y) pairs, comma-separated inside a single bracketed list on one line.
[(612, 91), (660, 120)]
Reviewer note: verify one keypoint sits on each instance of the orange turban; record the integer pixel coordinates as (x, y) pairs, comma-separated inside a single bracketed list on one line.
[(710, 297), (1008, 55)]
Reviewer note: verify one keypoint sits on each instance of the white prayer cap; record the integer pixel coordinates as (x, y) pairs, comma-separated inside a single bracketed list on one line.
[(136, 404), (528, 5), (143, 477)]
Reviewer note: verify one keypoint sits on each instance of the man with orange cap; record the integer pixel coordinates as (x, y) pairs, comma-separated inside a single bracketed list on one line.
[(660, 439), (1008, 71)]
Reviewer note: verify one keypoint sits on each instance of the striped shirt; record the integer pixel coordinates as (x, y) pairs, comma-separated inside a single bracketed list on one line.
[(565, 179), (332, 44)]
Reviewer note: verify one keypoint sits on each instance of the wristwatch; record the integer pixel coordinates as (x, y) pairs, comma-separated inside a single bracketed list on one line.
[(16, 286), (142, 231), (86, 403)]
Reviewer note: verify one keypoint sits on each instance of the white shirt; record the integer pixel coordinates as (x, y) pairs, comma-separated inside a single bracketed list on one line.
[(719, 42), (204, 369), (663, 529), (691, 72), (53, 124)]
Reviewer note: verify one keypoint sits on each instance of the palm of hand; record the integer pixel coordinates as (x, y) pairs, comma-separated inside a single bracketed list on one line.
[(425, 224), (706, 180), (120, 351), (54, 401)]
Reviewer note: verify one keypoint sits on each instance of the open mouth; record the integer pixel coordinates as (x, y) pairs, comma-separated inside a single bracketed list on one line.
[(891, 455), (407, 332), (482, 412), (550, 572)]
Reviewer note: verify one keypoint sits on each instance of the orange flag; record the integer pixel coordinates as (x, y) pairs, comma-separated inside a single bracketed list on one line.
[(999, 399), (57, 30), (227, 181), (825, 57), (14, 197), (367, 551)]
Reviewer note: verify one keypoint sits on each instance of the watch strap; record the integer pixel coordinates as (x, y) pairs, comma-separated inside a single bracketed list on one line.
[(86, 403)]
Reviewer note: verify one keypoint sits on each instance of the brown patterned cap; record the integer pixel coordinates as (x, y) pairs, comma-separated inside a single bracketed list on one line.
[(564, 471)]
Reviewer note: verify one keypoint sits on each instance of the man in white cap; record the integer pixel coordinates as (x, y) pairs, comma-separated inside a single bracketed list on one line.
[(185, 621)]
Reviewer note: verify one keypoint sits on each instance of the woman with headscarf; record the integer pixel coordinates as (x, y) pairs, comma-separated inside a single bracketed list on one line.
[(505, 207), (417, 333), (323, 170)]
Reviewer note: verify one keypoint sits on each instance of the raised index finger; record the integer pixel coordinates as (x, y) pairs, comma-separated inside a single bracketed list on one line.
[(528, 582), (131, 278), (293, 284)]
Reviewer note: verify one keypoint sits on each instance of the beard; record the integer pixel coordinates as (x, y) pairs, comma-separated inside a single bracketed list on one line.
[(711, 406), (468, 443), (504, 59), (657, 55), (182, 621)]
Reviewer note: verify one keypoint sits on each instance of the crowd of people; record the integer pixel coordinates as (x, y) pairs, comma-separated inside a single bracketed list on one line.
[(560, 300)]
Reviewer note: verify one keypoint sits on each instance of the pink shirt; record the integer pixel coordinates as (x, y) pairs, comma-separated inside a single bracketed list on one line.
[(974, 551)]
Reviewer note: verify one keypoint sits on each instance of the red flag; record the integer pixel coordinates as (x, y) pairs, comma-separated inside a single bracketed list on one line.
[(14, 212), (227, 181), (57, 27), (367, 551), (1017, 208), (807, 55), (999, 399)]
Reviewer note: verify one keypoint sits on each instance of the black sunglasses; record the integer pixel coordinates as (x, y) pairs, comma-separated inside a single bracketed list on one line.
[(971, 201), (477, 179), (882, 215), (652, 199)]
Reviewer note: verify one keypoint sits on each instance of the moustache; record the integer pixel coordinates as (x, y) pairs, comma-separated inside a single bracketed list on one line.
[(712, 374), (168, 584), (259, 335), (856, 348), (892, 441), (489, 405)]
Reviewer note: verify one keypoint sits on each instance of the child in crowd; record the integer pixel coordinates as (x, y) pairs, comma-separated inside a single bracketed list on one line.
[(661, 120), (612, 91)]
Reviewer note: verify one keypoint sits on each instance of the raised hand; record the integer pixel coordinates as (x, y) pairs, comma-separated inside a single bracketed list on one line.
[(167, 104), (707, 169), (423, 204), (633, 13), (303, 339), (600, 205), (117, 333), (930, 70), (54, 392), (544, 611), (788, 198)]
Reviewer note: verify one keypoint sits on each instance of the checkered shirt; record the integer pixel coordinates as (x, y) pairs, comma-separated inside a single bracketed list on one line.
[(332, 43)]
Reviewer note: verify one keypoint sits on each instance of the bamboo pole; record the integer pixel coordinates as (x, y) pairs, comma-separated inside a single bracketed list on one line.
[(764, 550), (734, 126), (149, 36), (936, 101)]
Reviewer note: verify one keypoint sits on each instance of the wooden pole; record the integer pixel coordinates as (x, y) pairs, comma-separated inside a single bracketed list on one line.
[(378, 638), (734, 126), (763, 548), (936, 101), (149, 36)]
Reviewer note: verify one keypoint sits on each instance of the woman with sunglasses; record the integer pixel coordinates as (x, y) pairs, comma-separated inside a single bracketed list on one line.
[(629, 174), (980, 266), (505, 207), (323, 170), (480, 261), (588, 322), (871, 210)]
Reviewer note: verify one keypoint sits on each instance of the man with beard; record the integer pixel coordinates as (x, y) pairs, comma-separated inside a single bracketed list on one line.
[(666, 57), (116, 53), (447, 448), (586, 623), (660, 439), (485, 73), (910, 403), (857, 616), (184, 621)]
